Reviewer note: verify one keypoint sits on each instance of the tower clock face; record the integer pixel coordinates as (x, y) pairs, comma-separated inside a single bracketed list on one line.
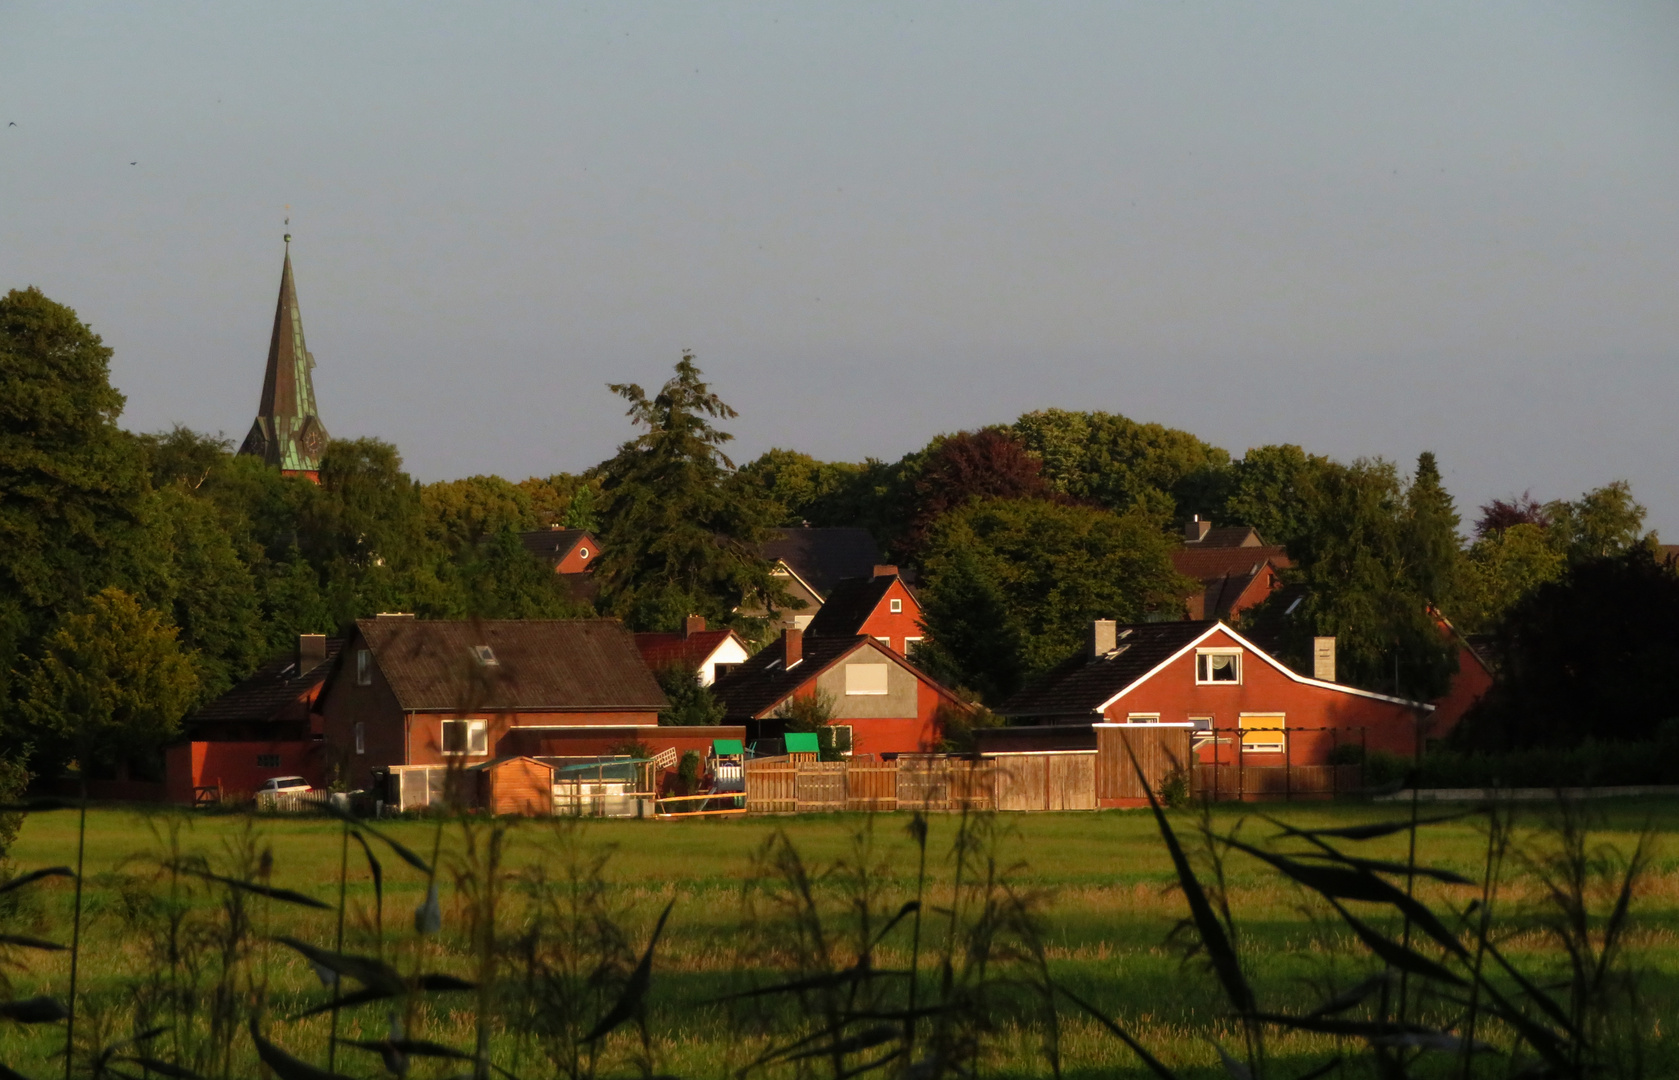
[(312, 441)]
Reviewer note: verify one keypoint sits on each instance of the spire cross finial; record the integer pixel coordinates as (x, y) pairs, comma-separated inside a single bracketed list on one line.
[(288, 230)]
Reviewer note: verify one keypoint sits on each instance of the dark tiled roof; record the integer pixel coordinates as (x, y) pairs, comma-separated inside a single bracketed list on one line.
[(541, 664), (665, 650), (274, 687), (762, 682), (825, 557), (551, 544), (1081, 684), (1229, 536), (849, 605), (1204, 564)]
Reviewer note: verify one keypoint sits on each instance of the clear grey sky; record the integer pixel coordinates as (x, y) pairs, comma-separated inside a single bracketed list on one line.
[(1369, 228)]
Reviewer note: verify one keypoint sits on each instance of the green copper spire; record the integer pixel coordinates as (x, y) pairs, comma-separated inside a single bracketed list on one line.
[(288, 432)]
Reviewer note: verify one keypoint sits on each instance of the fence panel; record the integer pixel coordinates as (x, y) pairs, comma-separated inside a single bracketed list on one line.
[(973, 784), (820, 786), (924, 783), (1072, 781), (771, 786), (1158, 750), (871, 786), (1022, 781)]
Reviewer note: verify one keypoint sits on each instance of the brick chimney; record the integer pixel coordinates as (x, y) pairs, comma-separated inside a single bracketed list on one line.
[(1104, 637), (792, 647), (885, 570), (1196, 530), (311, 650), (694, 624)]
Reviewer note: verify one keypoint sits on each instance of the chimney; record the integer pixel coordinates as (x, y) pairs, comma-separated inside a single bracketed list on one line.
[(792, 647), (1104, 637), (1196, 530), (311, 650), (1323, 658), (694, 624), (885, 570)]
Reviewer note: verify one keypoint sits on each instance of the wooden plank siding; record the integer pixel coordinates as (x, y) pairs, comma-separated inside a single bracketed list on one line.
[(518, 786), (1158, 750)]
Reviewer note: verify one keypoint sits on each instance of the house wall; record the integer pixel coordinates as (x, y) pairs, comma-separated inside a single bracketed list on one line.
[(343, 704), (893, 630), (791, 619), (898, 701), (1469, 685), (730, 652), (1173, 694), (233, 765), (425, 731), (579, 558)]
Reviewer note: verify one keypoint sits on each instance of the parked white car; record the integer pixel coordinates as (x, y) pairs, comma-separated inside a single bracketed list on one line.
[(289, 785)]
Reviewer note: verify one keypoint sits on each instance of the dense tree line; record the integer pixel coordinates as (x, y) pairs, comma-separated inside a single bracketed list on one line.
[(141, 575)]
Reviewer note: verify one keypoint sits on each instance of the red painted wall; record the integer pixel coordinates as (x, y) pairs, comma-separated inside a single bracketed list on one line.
[(234, 766), (581, 556), (882, 623), (1173, 693), (1469, 684)]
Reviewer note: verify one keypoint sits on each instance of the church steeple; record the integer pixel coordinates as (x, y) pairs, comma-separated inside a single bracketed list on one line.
[(288, 432)]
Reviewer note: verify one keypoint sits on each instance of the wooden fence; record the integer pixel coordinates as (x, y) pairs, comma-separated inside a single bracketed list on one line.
[(1053, 781)]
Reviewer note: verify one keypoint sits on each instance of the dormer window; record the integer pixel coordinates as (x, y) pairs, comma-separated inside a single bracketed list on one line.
[(1218, 666), (485, 656)]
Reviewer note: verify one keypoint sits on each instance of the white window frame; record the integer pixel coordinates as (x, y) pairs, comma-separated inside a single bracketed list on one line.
[(897, 606), (1277, 746), (364, 667), (850, 737), (473, 727), (583, 553), (361, 737), (1204, 671), (884, 639), (910, 643), (1142, 718)]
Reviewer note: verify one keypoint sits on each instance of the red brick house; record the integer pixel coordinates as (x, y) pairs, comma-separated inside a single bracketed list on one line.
[(1235, 568), (695, 649), (884, 704), (1207, 675), (435, 692), (262, 728), (1473, 679), (880, 606)]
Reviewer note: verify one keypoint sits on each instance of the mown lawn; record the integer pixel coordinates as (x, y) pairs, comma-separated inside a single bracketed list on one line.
[(1103, 882)]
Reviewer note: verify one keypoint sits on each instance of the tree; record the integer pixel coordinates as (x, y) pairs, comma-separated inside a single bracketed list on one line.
[(111, 684), (1593, 654), (1500, 568), (1429, 544), (1499, 515), (551, 497), (461, 513), (991, 463), (502, 579), (1357, 584), (691, 704), (1274, 489), (182, 455), (682, 532), (1122, 464), (70, 484), (580, 512), (1010, 587), (1603, 522)]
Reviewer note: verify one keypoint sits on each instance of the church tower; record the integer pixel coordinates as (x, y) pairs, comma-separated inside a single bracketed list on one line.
[(288, 432)]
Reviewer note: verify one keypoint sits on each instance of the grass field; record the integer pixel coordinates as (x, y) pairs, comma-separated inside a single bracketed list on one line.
[(1103, 881)]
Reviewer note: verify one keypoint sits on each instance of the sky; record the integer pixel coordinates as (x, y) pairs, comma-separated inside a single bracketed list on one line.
[(1369, 229)]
